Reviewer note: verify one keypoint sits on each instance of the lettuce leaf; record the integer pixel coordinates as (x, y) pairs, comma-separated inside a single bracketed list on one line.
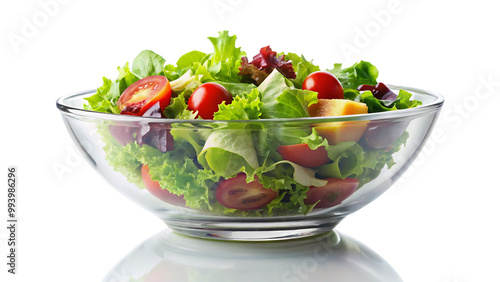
[(184, 64), (229, 151), (182, 89), (353, 161), (195, 138), (201, 70), (281, 101), (403, 101), (348, 161), (108, 94), (172, 72), (187, 60), (302, 175), (302, 68), (177, 106), (360, 73), (180, 175), (122, 158), (148, 63), (187, 81), (241, 108), (293, 181), (291, 201), (105, 98), (376, 160), (237, 88), (223, 64), (175, 170)]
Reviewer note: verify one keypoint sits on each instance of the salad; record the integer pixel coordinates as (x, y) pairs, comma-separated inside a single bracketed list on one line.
[(248, 168)]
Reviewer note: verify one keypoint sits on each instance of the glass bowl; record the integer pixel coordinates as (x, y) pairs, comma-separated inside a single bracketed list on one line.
[(192, 161)]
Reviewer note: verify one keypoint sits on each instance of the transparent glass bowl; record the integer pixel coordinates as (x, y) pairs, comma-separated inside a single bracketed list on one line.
[(103, 138)]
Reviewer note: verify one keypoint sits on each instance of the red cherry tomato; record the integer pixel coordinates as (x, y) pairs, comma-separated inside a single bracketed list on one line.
[(154, 188), (332, 194), (325, 83), (206, 99), (302, 155), (143, 94), (236, 193)]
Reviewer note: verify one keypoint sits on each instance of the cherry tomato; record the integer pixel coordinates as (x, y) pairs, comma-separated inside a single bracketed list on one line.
[(325, 83), (206, 99), (302, 155), (154, 188), (143, 94), (332, 194), (236, 193)]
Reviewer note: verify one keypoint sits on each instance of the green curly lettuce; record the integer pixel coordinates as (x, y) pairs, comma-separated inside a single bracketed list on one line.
[(350, 160), (302, 68)]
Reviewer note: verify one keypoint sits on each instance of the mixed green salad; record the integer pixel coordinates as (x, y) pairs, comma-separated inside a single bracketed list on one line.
[(248, 168)]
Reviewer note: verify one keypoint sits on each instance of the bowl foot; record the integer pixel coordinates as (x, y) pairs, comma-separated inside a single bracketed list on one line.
[(253, 230)]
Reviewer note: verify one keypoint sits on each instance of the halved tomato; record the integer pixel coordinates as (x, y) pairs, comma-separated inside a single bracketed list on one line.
[(142, 94), (332, 194), (154, 188), (302, 155), (236, 193)]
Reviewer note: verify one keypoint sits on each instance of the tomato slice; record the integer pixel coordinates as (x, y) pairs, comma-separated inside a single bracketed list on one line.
[(302, 155), (325, 83), (154, 188), (332, 194), (142, 94), (206, 99), (236, 193)]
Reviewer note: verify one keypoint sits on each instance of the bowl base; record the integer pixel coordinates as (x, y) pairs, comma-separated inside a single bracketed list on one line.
[(253, 230)]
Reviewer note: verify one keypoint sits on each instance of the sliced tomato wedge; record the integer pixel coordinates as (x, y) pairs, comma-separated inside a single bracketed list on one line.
[(236, 193), (154, 188), (332, 194), (143, 94), (302, 155)]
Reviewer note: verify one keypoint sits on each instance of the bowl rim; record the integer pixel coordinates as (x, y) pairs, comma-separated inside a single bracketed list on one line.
[(433, 106)]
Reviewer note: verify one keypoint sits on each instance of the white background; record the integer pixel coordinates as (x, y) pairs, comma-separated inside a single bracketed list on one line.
[(439, 223)]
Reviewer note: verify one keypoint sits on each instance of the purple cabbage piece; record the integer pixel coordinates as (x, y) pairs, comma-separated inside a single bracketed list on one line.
[(123, 134), (380, 134), (379, 91), (153, 134)]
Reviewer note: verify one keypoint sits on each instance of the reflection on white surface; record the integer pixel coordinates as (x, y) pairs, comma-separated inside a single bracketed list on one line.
[(168, 256)]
